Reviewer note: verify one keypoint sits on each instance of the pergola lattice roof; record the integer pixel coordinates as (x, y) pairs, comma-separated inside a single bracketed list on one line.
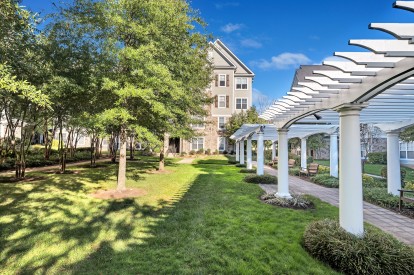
[(383, 79)]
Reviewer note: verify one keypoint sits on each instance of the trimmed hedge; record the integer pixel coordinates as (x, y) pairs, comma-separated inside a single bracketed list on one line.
[(263, 179), (233, 162), (377, 158), (325, 180), (245, 170), (381, 197), (296, 202), (294, 171), (241, 165), (375, 253)]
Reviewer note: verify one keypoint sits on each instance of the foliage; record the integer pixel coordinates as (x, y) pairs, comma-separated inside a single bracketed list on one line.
[(294, 171), (377, 158), (261, 179), (369, 135), (309, 160), (384, 172), (240, 165), (325, 180), (408, 134), (238, 119), (316, 142), (374, 253), (369, 182), (295, 202), (248, 171), (409, 185), (296, 158), (381, 197), (322, 169), (233, 161)]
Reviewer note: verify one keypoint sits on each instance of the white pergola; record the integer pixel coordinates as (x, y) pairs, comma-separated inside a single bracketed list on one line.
[(375, 86)]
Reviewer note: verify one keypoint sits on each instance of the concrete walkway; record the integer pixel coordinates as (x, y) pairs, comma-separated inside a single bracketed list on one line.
[(397, 225)]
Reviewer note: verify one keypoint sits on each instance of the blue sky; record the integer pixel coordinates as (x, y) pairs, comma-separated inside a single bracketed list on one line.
[(273, 37)]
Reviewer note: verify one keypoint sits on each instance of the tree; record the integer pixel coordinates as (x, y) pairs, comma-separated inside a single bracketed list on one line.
[(408, 134), (316, 142), (369, 136), (238, 119)]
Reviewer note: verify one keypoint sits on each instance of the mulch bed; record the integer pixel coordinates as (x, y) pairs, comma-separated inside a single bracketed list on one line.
[(115, 194)]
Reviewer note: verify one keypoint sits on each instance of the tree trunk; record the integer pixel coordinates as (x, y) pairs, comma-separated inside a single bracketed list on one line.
[(121, 186), (93, 151), (131, 148), (164, 150)]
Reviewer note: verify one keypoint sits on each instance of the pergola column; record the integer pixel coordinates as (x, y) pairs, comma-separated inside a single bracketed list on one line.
[(303, 157), (273, 150), (260, 152), (393, 163), (350, 182), (282, 165), (237, 151), (333, 155), (241, 151), (249, 153)]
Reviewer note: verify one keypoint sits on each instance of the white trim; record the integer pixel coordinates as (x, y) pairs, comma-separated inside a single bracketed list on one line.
[(218, 144), (241, 89), (247, 103), (225, 101), (191, 144), (218, 122), (225, 80)]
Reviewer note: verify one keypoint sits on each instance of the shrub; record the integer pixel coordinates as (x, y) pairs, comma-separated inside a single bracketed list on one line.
[(200, 151), (326, 180), (225, 152), (381, 197), (377, 158), (309, 160), (375, 253), (296, 158), (192, 153), (263, 179), (384, 173), (183, 154), (409, 185), (296, 202), (367, 180), (208, 152), (233, 162), (294, 171), (240, 165), (216, 152), (322, 169), (245, 170)]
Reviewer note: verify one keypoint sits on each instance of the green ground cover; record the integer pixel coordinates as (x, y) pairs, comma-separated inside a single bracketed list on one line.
[(199, 218)]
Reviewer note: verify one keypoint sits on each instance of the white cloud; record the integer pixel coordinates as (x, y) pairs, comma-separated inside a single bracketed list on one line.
[(230, 27), (220, 6), (251, 43), (283, 61), (332, 58)]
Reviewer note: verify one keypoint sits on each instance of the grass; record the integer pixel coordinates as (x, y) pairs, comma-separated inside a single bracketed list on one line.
[(197, 219)]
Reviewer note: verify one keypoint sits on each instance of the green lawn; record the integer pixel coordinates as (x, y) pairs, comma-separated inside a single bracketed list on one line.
[(197, 219), (375, 169)]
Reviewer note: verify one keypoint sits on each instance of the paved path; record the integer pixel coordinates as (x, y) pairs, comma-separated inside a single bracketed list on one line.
[(397, 225), (52, 167)]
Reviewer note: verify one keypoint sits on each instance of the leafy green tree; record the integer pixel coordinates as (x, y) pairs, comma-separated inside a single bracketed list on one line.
[(408, 134), (238, 119), (316, 142)]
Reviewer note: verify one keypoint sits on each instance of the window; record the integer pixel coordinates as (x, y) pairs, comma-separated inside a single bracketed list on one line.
[(197, 143), (403, 150), (221, 144), (241, 83), (222, 101), (222, 80), (198, 122), (221, 122), (241, 103), (410, 150)]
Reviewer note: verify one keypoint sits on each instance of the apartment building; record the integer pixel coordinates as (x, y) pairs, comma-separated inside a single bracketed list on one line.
[(231, 88)]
